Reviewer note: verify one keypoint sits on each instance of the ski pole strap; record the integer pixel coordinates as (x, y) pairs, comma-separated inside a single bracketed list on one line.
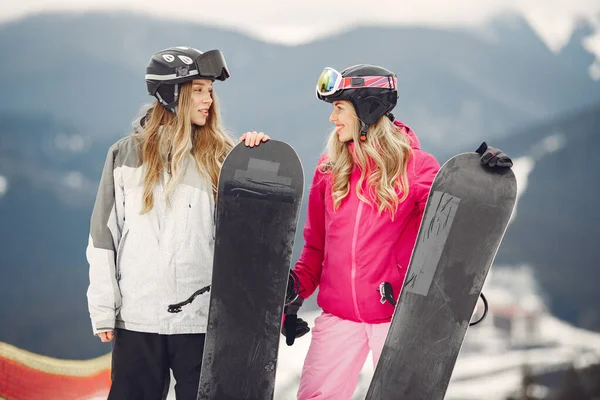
[(293, 288), (175, 308), (387, 293)]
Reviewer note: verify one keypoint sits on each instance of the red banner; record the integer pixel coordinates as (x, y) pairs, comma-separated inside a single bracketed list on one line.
[(29, 376)]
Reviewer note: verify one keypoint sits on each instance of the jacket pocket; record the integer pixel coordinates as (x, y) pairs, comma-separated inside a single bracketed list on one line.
[(199, 219), (119, 255)]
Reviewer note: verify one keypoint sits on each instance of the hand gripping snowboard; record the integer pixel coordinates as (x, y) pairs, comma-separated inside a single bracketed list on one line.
[(258, 201), (467, 213)]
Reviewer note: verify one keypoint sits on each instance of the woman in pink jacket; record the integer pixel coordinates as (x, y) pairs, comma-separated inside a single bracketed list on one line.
[(365, 206)]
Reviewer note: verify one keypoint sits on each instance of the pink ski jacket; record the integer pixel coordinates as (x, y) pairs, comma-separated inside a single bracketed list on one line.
[(349, 252)]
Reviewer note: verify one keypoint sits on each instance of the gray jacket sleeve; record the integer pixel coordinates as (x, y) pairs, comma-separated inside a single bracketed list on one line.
[(106, 226)]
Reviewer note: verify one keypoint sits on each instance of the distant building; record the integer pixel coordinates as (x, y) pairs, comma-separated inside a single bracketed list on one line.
[(521, 326)]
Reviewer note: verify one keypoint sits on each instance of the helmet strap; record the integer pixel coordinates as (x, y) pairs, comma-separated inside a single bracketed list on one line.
[(175, 98), (172, 107), (363, 131), (364, 127)]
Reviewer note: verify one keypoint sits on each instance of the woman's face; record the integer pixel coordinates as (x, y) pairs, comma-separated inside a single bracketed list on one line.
[(345, 120), (201, 100)]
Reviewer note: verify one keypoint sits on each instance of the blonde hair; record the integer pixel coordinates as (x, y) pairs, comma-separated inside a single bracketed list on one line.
[(382, 160), (167, 139)]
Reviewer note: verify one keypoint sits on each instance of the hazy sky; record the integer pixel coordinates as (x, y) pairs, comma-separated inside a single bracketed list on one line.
[(299, 21)]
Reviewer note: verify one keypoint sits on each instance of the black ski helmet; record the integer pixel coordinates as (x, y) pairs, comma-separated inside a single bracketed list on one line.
[(175, 65), (370, 103)]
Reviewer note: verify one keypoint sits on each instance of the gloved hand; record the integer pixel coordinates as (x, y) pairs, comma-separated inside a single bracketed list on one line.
[(292, 326), (493, 157)]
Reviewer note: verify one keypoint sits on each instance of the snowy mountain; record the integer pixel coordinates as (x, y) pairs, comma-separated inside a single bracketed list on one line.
[(555, 228), (454, 82)]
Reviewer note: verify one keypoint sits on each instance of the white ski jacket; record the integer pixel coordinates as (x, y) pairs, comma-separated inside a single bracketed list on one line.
[(139, 264)]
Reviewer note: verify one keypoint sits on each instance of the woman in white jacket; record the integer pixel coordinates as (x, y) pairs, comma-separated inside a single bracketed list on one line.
[(152, 234)]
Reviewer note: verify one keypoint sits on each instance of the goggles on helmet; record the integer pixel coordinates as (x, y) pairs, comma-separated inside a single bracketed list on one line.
[(330, 81)]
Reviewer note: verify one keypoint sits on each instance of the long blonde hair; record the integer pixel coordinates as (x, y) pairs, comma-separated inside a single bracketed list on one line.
[(167, 139), (382, 160)]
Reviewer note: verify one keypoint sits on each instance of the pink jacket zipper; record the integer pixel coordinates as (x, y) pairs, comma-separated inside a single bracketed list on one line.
[(353, 275)]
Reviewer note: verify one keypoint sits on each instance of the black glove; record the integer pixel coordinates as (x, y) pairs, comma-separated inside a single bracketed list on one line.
[(293, 327), (493, 157)]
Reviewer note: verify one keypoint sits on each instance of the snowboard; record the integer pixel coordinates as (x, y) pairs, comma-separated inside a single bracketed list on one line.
[(257, 207), (467, 213)]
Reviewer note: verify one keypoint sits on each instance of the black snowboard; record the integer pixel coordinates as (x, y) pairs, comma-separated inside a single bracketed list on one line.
[(258, 201), (467, 213)]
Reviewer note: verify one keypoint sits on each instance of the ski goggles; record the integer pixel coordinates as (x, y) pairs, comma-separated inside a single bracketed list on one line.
[(330, 81), (209, 65), (212, 65)]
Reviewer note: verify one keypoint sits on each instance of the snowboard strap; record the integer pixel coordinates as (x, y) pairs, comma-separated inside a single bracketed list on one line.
[(175, 308), (485, 310)]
